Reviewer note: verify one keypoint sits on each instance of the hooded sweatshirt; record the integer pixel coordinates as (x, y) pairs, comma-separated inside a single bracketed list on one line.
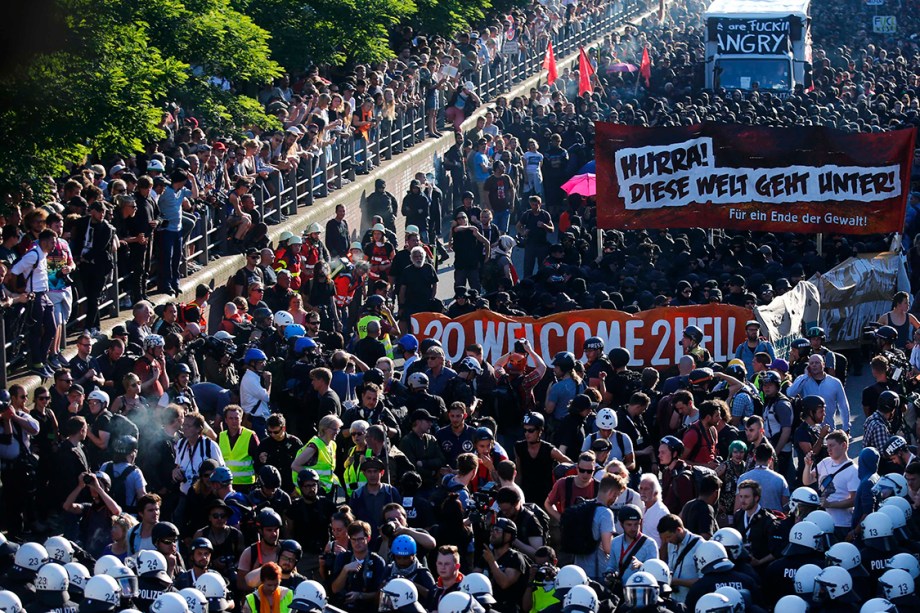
[(868, 476)]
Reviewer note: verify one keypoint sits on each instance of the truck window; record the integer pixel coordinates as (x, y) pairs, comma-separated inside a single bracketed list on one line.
[(743, 72)]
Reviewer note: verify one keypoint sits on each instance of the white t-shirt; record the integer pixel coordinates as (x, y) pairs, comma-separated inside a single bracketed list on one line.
[(651, 516), (844, 482)]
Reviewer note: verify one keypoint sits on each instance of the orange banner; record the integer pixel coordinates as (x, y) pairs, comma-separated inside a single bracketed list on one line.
[(653, 337)]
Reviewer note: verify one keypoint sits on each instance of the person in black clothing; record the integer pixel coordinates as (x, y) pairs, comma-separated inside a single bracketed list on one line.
[(802, 549), (506, 566), (278, 449), (468, 245), (93, 244), (630, 422), (310, 515), (142, 223), (535, 459), (370, 349), (416, 208), (534, 225), (417, 282), (571, 433), (338, 234), (699, 515)]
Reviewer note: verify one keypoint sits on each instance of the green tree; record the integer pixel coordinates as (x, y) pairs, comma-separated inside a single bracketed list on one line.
[(446, 17)]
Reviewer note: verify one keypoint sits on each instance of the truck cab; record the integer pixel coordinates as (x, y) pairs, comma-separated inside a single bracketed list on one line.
[(760, 45)]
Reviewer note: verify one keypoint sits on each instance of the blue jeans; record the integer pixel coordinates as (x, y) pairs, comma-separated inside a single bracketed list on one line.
[(170, 258), (501, 219)]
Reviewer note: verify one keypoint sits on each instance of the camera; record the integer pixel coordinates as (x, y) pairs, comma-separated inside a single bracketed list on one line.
[(482, 515), (545, 574), (87, 479), (389, 529)]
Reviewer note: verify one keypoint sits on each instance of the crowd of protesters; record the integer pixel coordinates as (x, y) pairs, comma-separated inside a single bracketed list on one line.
[(307, 450)]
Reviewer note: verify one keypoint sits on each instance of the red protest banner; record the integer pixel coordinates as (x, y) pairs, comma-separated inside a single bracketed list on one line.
[(653, 336), (807, 179)]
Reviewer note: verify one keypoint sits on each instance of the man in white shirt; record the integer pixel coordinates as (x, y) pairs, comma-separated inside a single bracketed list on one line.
[(682, 545), (33, 267), (255, 389), (837, 478), (653, 508)]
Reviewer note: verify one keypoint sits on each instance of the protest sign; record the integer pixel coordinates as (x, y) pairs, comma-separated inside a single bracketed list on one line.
[(653, 336), (807, 179), (787, 317), (856, 292)]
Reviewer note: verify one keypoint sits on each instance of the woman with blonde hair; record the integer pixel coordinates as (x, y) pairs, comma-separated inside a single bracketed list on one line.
[(121, 525), (319, 452)]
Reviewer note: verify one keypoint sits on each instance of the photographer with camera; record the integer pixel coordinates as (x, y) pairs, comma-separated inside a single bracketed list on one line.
[(96, 515), (540, 594), (529, 535), (395, 525), (359, 573), (505, 565)]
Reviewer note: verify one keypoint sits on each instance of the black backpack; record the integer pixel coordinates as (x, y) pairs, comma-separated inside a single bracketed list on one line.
[(119, 425), (506, 404), (540, 515), (696, 476), (119, 491), (576, 528)]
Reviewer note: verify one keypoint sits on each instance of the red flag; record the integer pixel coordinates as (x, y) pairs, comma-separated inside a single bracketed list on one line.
[(645, 68), (549, 64), (585, 72)]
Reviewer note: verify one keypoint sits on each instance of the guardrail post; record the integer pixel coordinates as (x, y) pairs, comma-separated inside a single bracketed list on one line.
[(206, 237), (116, 308)]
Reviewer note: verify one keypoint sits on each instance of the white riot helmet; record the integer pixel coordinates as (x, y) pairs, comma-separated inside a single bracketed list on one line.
[(834, 583), (77, 576), (641, 589), (282, 318), (899, 503), (791, 604), (195, 600), (126, 579), (580, 599), (896, 583), (710, 556), (804, 581), (214, 588), (824, 521), (99, 395), (803, 495), (152, 564), (568, 577), (398, 593), (805, 537), (52, 577), (479, 587), (735, 597), (891, 484), (732, 541), (897, 517), (170, 602), (30, 557), (878, 531), (904, 561), (105, 563), (459, 602), (308, 596), (60, 550), (102, 589), (714, 603), (661, 571), (606, 419), (10, 603), (846, 556), (878, 605)]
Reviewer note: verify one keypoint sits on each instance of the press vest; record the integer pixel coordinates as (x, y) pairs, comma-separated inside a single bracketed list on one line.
[(384, 338), (284, 603), (237, 457), (325, 462), (354, 477)]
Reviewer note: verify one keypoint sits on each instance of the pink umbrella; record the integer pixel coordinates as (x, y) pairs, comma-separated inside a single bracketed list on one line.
[(621, 67), (581, 184)]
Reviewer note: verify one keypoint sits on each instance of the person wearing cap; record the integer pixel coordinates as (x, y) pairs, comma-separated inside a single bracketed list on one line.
[(227, 541), (422, 449), (309, 516), (178, 196), (899, 453), (631, 548), (380, 203), (290, 260), (95, 516), (753, 344), (379, 252), (505, 565), (368, 501)]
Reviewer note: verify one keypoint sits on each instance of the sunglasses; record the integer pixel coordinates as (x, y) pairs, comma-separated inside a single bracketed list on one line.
[(169, 541), (218, 516), (585, 471), (530, 430), (275, 432), (432, 357), (44, 398)]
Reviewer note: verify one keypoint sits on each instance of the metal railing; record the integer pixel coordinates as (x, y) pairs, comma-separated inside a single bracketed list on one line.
[(333, 166)]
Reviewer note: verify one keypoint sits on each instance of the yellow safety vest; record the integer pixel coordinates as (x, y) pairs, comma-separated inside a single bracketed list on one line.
[(385, 338), (543, 599), (237, 457), (325, 462), (284, 604), (354, 476)]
